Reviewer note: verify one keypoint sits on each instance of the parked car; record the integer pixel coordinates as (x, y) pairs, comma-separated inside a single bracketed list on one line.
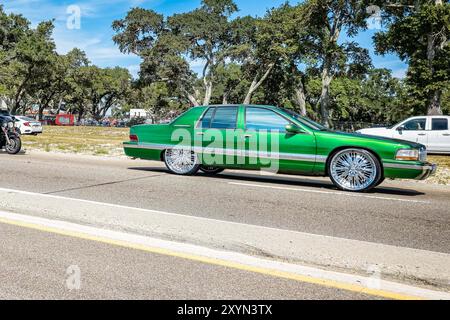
[(215, 138), (27, 125), (431, 131)]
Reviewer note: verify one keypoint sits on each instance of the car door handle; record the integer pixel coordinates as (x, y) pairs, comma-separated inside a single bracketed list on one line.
[(200, 133), (248, 135), (446, 134), (422, 134)]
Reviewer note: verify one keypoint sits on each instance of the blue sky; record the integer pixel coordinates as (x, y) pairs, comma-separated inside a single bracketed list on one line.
[(95, 33)]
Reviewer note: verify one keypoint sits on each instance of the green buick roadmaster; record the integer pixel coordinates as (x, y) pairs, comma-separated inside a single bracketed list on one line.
[(215, 138)]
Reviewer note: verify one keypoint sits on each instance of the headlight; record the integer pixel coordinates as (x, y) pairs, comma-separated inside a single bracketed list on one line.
[(4, 124), (407, 155), (11, 125)]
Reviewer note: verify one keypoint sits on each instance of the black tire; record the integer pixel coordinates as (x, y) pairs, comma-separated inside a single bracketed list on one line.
[(14, 146), (344, 184), (211, 170), (190, 168), (380, 181)]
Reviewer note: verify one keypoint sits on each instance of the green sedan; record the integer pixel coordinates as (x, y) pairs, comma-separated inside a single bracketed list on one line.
[(215, 138)]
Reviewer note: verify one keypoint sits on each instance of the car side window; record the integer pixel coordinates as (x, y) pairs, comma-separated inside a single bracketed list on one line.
[(439, 124), (206, 120), (225, 118), (264, 119), (415, 125)]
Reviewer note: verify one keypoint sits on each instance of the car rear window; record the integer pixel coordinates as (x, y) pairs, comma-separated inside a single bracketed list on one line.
[(439, 124)]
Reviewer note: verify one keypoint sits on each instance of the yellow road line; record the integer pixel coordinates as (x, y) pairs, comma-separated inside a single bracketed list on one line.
[(217, 262)]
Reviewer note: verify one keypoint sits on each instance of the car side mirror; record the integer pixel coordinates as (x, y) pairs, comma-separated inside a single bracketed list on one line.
[(294, 129), (400, 129)]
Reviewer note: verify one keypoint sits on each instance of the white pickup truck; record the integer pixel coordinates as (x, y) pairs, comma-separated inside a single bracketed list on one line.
[(431, 131)]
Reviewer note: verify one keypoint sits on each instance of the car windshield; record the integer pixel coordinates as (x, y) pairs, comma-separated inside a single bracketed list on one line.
[(4, 113), (308, 122)]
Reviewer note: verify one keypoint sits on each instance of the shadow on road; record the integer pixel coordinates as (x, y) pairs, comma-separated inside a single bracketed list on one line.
[(21, 153), (285, 180)]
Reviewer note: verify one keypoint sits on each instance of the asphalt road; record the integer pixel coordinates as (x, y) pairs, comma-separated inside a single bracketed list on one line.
[(401, 214), (38, 265), (418, 217)]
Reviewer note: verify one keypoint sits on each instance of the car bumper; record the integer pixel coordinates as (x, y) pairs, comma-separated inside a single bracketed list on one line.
[(405, 170), (428, 171), (31, 131)]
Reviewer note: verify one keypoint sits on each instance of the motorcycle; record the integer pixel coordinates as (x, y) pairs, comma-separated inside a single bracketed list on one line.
[(9, 138)]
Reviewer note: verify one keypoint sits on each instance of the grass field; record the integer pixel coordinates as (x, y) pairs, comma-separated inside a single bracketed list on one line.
[(102, 141), (82, 140)]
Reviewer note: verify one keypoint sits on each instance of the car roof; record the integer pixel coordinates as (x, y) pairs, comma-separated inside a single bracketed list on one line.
[(238, 105), (437, 116)]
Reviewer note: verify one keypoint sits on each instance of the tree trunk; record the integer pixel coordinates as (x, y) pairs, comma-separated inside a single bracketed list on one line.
[(248, 97), (256, 84), (208, 93), (40, 113), (193, 100), (225, 98), (80, 114), (325, 96), (300, 98), (434, 104)]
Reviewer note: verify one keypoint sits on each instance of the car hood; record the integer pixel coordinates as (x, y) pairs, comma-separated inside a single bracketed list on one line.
[(374, 137)]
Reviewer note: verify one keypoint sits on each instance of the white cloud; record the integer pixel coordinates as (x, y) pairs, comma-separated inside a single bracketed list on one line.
[(400, 73), (134, 70)]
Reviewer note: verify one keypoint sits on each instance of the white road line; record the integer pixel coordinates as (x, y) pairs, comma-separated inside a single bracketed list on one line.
[(225, 258), (343, 194)]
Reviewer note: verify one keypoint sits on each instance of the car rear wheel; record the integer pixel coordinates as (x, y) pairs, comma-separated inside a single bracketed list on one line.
[(181, 161), (211, 169), (355, 170)]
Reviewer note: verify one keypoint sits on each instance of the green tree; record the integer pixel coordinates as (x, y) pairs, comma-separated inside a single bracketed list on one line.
[(206, 31), (34, 56), (325, 21), (147, 34), (419, 31), (165, 44)]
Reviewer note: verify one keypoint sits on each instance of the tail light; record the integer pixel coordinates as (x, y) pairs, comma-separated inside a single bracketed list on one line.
[(134, 138), (26, 124)]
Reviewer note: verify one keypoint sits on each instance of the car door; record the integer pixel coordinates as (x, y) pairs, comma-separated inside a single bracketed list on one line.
[(216, 135), (269, 146), (413, 130), (439, 136)]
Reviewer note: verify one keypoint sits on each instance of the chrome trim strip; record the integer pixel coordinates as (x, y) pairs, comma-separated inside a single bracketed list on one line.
[(231, 152), (407, 166)]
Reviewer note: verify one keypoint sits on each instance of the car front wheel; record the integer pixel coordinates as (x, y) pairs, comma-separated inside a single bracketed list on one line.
[(355, 170), (181, 161)]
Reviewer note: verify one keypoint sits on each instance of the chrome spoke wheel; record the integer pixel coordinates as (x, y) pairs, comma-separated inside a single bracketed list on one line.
[(181, 161), (354, 169)]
